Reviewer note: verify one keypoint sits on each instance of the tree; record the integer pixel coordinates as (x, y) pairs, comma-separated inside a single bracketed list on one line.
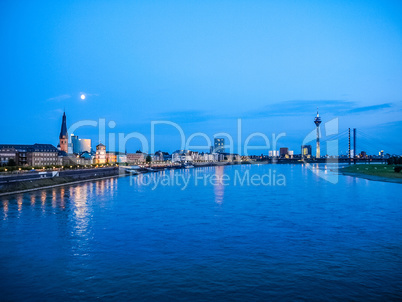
[(148, 159), (11, 162)]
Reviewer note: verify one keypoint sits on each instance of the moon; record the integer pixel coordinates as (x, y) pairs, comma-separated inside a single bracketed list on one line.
[(82, 96)]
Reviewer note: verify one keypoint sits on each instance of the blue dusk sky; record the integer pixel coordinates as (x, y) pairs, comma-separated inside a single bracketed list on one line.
[(203, 65)]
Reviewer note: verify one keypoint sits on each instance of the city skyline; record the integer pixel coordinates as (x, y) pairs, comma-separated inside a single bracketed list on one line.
[(340, 137)]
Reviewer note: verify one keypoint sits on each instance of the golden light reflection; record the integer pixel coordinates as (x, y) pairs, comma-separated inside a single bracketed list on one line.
[(54, 198), (33, 199), (102, 187), (78, 194), (62, 201), (43, 197), (5, 208), (19, 202)]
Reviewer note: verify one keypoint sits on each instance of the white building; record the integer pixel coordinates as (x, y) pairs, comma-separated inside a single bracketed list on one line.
[(182, 156), (207, 157), (273, 153)]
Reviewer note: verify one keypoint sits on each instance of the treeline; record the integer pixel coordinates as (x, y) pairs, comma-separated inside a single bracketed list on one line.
[(397, 162), (394, 160)]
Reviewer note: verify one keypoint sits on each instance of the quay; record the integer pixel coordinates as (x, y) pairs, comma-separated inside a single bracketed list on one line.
[(28, 181)]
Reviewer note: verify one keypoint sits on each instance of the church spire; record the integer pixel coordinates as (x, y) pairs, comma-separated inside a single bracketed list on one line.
[(63, 131), (63, 137)]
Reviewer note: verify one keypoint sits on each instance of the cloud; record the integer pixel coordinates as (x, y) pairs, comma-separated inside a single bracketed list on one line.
[(371, 108), (302, 107), (282, 109), (59, 98), (68, 96), (394, 125)]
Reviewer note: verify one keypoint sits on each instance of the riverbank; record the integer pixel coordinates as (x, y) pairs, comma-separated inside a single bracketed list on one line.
[(15, 186), (373, 172), (67, 183)]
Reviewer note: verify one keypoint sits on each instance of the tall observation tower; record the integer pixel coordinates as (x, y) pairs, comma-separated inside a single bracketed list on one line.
[(317, 122)]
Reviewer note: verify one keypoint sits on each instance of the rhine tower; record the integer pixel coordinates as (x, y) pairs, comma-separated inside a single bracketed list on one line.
[(317, 122)]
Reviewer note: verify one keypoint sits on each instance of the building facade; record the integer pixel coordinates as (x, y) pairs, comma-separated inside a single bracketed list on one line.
[(219, 145), (100, 155), (8, 155), (111, 157), (306, 150), (136, 158), (36, 155), (80, 145), (283, 152), (273, 153)]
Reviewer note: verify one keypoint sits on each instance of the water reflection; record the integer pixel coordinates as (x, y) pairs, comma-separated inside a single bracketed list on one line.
[(62, 202), (77, 197), (5, 208), (19, 202), (32, 199), (54, 198), (43, 200), (218, 185), (82, 214)]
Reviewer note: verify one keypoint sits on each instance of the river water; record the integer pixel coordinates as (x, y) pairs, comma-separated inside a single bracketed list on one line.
[(287, 234)]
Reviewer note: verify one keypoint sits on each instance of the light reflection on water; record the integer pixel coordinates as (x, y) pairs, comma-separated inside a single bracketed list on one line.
[(109, 240), (56, 197), (219, 184)]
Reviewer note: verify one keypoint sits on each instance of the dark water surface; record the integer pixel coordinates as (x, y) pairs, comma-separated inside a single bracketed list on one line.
[(108, 240)]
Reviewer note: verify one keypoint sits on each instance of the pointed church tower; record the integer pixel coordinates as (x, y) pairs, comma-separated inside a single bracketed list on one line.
[(63, 137)]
